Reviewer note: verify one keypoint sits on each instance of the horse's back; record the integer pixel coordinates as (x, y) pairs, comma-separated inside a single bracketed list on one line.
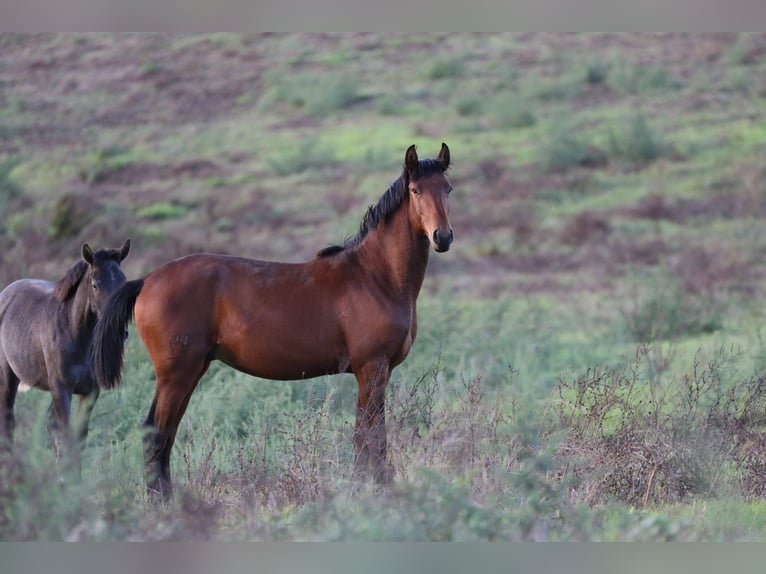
[(24, 297), (23, 318)]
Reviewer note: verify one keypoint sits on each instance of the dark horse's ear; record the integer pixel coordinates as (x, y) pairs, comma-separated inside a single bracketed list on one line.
[(87, 253), (444, 156), (411, 160), (125, 249)]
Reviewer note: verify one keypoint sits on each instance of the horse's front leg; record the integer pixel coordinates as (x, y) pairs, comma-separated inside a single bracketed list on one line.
[(9, 385), (58, 419), (85, 405), (370, 430)]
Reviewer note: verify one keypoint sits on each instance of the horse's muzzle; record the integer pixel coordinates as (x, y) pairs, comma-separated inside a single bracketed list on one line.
[(443, 242)]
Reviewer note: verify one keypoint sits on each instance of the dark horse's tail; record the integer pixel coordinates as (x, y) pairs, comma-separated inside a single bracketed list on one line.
[(109, 335)]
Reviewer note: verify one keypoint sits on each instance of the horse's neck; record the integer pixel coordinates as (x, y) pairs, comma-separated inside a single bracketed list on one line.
[(401, 255)]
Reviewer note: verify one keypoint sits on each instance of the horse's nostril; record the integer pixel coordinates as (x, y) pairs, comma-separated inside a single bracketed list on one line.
[(436, 236), (451, 235)]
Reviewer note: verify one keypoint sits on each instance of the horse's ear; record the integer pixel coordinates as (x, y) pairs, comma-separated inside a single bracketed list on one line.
[(87, 253), (411, 160), (444, 156), (125, 249)]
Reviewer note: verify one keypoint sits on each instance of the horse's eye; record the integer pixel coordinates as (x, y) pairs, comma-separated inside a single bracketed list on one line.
[(449, 191), (415, 191), (95, 285)]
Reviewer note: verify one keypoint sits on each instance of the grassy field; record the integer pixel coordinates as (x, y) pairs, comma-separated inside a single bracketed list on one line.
[(591, 359)]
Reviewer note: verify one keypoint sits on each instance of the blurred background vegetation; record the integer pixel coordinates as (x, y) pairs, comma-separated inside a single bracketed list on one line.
[(590, 363)]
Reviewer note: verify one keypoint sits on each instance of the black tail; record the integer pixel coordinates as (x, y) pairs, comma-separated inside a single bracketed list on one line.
[(109, 335)]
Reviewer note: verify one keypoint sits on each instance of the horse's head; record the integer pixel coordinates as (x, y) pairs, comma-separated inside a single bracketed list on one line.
[(428, 189), (104, 274)]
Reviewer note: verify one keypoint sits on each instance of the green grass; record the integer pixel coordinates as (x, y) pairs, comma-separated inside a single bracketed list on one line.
[(606, 206)]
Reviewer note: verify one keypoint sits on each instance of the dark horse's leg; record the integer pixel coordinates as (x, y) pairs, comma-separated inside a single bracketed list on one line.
[(9, 385), (370, 429), (85, 404), (175, 385), (58, 419)]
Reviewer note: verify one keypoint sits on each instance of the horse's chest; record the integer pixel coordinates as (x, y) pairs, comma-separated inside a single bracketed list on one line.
[(75, 369), (378, 328)]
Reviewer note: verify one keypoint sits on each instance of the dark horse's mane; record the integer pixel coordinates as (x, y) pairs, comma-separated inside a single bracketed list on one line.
[(67, 285), (387, 204)]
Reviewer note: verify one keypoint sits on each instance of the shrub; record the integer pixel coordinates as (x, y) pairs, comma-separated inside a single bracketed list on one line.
[(640, 80), (741, 52), (596, 72), (639, 439), (162, 210), (670, 312), (445, 68), (317, 94), (306, 155), (96, 165), (8, 187), (637, 79), (637, 143), (511, 111), (70, 216), (565, 149), (470, 106)]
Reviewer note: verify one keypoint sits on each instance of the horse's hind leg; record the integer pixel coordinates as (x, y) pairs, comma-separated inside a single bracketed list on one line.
[(9, 385), (174, 389)]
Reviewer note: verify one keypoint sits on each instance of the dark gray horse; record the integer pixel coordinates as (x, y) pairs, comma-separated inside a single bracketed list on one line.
[(45, 339)]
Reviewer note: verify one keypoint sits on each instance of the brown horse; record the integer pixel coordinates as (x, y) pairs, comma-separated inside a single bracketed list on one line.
[(349, 310)]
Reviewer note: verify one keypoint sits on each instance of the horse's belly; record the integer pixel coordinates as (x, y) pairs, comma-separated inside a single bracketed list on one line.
[(283, 362)]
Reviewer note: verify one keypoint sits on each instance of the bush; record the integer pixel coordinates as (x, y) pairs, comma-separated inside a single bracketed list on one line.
[(509, 111), (637, 143), (8, 187), (470, 106), (445, 68), (641, 80), (162, 210), (670, 313), (96, 165), (596, 72), (306, 155), (565, 149), (636, 438), (317, 94)]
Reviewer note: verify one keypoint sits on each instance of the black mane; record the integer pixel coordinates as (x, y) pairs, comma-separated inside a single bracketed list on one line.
[(387, 204), (67, 285)]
